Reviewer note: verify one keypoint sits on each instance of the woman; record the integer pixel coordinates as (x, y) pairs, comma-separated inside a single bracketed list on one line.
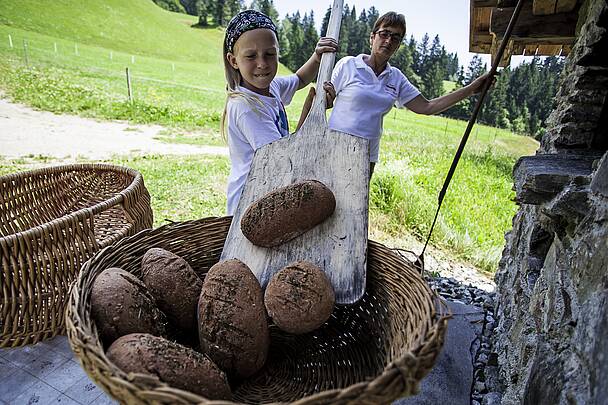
[(367, 87)]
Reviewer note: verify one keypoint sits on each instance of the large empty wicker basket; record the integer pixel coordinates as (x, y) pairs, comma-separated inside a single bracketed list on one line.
[(372, 352), (51, 221)]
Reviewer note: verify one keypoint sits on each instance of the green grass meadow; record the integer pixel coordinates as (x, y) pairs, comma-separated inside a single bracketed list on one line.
[(71, 57)]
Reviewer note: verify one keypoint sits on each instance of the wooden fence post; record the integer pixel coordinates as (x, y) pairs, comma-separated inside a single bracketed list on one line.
[(27, 62), (129, 87)]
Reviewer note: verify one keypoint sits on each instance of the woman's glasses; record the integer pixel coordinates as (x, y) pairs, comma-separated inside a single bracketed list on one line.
[(386, 34)]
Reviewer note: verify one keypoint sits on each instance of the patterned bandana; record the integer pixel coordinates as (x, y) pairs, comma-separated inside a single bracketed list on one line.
[(245, 21)]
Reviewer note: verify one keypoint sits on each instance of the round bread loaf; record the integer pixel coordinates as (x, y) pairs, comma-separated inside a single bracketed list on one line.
[(121, 304), (287, 212), (174, 364), (233, 325), (299, 298), (174, 286)]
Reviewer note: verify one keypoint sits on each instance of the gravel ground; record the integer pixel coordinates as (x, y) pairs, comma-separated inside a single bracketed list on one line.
[(484, 390)]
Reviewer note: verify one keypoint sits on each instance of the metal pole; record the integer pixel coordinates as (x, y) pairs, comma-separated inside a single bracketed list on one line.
[(10, 40)]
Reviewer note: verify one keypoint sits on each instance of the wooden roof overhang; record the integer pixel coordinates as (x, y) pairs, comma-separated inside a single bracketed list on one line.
[(544, 27)]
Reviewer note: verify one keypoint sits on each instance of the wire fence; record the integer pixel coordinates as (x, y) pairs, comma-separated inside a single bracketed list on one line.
[(112, 64)]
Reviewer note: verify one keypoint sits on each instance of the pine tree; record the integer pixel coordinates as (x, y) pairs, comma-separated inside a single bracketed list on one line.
[(310, 37), (282, 32), (495, 111), (325, 22), (358, 36), (433, 81), (345, 29), (202, 12), (421, 63), (231, 8), (266, 7), (372, 16), (295, 58)]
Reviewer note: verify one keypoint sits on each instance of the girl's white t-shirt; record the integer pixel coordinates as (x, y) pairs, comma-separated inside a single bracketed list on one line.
[(253, 125), (363, 99)]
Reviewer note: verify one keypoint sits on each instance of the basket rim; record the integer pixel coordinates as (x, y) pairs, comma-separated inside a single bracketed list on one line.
[(83, 212), (440, 316)]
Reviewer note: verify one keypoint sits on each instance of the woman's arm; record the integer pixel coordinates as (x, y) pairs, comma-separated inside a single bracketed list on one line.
[(421, 105), (308, 72)]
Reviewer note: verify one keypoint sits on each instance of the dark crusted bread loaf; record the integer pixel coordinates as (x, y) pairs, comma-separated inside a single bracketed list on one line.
[(299, 298), (174, 285), (174, 364), (233, 325), (287, 212), (121, 304)]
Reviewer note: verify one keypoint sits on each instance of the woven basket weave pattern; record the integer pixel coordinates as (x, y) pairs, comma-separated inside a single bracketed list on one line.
[(52, 220), (372, 352)]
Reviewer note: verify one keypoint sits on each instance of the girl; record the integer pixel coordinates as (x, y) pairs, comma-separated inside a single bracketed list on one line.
[(255, 114)]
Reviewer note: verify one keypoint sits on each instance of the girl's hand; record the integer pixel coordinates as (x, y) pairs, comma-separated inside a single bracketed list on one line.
[(477, 85), (325, 44)]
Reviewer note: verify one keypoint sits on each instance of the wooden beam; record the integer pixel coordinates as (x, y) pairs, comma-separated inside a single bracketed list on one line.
[(484, 3), (549, 50), (565, 6), (530, 50), (528, 25), (544, 7), (506, 56), (494, 3)]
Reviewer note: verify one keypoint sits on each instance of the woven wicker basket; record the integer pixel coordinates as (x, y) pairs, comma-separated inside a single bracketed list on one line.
[(51, 221), (372, 352)]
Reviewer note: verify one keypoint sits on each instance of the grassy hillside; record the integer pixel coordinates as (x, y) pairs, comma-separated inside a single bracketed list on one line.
[(76, 56), (69, 56), (133, 26)]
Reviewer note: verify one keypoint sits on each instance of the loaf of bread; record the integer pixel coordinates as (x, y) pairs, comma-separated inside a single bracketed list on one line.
[(287, 212), (233, 325), (174, 364), (299, 298), (174, 285), (121, 304)]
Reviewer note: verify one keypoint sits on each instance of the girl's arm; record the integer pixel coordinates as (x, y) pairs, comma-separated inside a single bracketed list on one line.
[(308, 71), (421, 105)]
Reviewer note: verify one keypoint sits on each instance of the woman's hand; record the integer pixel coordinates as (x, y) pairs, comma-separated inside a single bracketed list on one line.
[(325, 44), (476, 86), (330, 94)]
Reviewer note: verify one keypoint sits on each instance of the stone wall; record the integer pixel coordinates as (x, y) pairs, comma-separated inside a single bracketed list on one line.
[(552, 283)]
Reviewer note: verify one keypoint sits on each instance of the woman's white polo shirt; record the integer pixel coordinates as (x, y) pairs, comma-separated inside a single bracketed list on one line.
[(363, 99)]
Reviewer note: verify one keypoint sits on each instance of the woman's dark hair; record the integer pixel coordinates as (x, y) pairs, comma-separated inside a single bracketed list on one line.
[(390, 19)]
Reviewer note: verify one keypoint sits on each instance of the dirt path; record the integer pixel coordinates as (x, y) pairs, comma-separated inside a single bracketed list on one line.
[(26, 132)]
